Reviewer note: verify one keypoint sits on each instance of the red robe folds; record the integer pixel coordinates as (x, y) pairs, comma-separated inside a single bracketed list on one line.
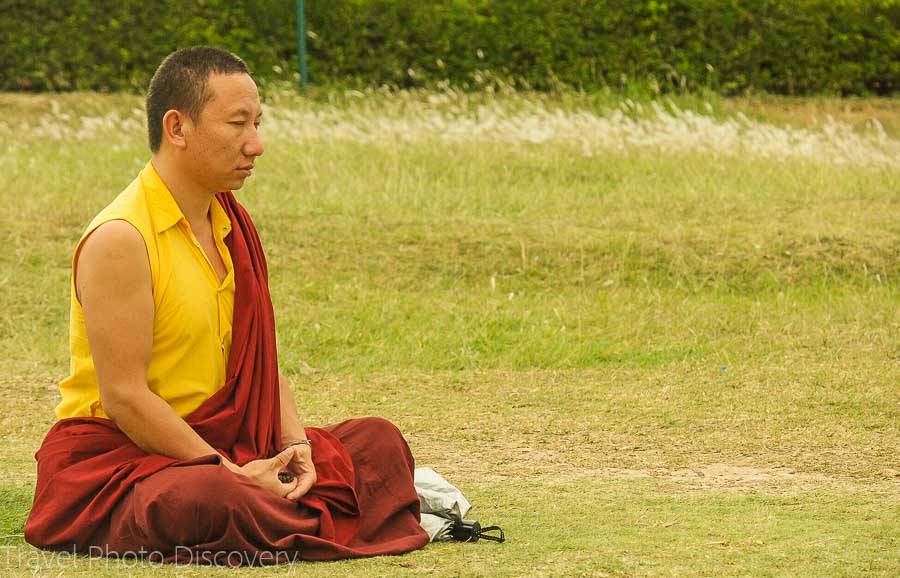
[(100, 494)]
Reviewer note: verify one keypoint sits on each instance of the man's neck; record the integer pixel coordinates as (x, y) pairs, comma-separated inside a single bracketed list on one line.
[(192, 199)]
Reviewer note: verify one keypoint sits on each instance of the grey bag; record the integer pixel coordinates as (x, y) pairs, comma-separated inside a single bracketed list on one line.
[(444, 509)]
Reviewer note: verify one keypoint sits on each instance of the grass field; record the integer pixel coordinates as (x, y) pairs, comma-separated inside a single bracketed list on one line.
[(648, 338)]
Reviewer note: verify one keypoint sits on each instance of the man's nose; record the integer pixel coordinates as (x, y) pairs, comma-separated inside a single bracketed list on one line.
[(254, 146)]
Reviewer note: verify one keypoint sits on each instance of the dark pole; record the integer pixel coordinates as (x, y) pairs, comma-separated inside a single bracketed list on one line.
[(301, 41)]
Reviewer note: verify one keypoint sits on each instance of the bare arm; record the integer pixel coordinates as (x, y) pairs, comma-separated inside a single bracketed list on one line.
[(291, 427), (114, 286), (301, 464)]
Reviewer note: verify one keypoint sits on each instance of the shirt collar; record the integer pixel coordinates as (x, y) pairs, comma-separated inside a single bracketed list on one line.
[(164, 209), (167, 213), (221, 224)]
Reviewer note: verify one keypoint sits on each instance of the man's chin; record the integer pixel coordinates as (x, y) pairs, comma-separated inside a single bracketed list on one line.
[(234, 184)]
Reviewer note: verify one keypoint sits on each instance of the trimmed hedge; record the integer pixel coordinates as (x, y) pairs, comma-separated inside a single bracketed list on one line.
[(797, 47)]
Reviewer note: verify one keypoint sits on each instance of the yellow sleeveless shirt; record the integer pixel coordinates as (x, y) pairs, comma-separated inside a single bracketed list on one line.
[(192, 310)]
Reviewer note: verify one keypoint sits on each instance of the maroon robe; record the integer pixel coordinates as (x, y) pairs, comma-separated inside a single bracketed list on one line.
[(99, 493)]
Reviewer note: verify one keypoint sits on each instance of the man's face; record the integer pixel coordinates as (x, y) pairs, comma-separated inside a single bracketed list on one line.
[(224, 143)]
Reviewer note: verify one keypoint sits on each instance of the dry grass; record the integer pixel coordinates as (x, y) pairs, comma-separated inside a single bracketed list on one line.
[(859, 113)]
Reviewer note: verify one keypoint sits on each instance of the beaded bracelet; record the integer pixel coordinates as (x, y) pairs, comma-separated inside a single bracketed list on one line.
[(297, 443)]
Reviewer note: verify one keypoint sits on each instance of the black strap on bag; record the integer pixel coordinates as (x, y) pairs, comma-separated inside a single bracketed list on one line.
[(471, 531)]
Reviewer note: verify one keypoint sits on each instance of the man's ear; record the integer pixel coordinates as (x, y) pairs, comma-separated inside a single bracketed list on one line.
[(175, 125)]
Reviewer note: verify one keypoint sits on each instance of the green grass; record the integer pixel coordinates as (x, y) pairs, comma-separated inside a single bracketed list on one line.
[(637, 361)]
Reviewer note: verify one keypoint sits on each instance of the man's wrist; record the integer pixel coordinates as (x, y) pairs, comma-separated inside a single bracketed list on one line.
[(231, 465), (305, 442)]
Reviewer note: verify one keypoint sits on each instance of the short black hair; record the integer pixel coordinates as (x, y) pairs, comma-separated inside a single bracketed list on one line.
[(181, 83)]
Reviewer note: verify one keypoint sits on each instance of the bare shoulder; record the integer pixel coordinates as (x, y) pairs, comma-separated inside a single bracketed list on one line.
[(113, 237), (114, 257), (115, 290)]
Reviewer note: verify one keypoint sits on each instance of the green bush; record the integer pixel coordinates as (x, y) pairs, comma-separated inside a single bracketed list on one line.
[(797, 47)]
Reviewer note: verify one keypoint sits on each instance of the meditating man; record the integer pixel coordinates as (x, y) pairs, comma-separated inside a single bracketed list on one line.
[(178, 439)]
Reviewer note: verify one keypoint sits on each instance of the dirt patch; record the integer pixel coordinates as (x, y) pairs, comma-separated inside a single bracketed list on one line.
[(718, 475), (728, 475)]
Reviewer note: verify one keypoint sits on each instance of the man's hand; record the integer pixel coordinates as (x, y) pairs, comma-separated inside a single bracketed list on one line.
[(265, 473), (301, 465)]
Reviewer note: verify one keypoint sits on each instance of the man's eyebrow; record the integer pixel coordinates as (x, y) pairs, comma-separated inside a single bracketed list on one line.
[(245, 112)]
